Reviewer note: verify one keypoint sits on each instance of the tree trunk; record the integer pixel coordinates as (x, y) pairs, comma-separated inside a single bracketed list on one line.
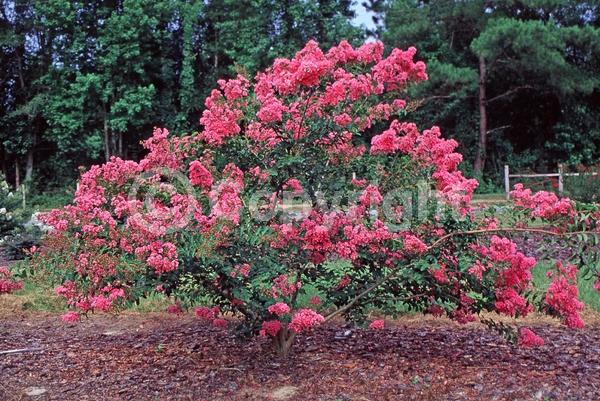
[(283, 342), (120, 145), (482, 143), (17, 174), (107, 139), (29, 165)]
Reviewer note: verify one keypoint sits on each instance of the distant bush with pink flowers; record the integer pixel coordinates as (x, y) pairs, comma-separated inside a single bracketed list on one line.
[(7, 282)]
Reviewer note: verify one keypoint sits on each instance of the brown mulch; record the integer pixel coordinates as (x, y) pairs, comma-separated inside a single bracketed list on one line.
[(162, 357)]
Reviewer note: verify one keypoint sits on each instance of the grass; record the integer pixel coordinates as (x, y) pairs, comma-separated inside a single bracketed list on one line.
[(33, 298), (154, 302), (499, 197)]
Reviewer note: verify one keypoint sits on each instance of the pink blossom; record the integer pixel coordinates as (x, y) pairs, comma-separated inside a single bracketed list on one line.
[(243, 270), (234, 88), (395, 71), (370, 196), (282, 287), (509, 302), (305, 319), (562, 297), (270, 328), (342, 120), (70, 317), (279, 309), (385, 143), (477, 269), (7, 283), (527, 338), (220, 120), (377, 324), (101, 303), (412, 244), (199, 175), (272, 111), (205, 313), (294, 184), (597, 284), (542, 203), (440, 275)]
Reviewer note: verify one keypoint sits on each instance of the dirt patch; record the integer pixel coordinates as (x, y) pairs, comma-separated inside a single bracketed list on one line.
[(162, 357)]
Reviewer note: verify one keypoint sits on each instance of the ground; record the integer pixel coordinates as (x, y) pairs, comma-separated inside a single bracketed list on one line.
[(165, 357)]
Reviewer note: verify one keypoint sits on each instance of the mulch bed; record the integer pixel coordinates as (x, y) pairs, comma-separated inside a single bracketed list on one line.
[(162, 357)]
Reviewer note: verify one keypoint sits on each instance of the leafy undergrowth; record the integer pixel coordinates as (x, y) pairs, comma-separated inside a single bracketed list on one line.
[(38, 296), (159, 356)]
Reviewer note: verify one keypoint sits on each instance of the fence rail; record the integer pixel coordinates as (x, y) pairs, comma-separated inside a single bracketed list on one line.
[(560, 174)]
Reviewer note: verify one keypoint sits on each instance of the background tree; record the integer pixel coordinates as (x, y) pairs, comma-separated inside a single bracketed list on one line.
[(507, 68), (84, 81)]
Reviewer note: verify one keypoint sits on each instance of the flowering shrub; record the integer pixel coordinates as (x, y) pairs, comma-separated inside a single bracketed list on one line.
[(215, 214)]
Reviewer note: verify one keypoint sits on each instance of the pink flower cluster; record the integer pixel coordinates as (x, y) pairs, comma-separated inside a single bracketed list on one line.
[(528, 339), (102, 299), (280, 116), (562, 296), (222, 113), (513, 275), (70, 317), (210, 315), (542, 204), (118, 231), (242, 270), (282, 287), (429, 149), (305, 319), (161, 256), (225, 198), (279, 309), (413, 244), (200, 176)]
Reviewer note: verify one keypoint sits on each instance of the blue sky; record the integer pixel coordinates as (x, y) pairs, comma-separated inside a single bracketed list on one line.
[(362, 16)]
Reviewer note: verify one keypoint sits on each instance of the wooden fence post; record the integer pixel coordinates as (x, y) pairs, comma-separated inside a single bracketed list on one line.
[(561, 185), (507, 181)]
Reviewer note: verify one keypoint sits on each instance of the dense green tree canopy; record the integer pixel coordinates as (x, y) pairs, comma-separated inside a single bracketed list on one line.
[(540, 76)]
